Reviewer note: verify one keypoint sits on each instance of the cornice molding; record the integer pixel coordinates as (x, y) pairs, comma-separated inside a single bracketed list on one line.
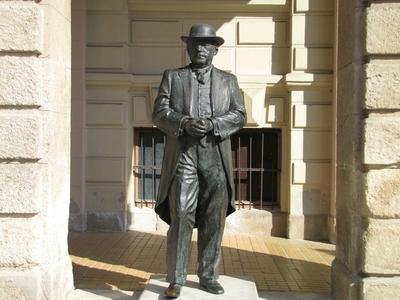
[(109, 79), (212, 6), (290, 80)]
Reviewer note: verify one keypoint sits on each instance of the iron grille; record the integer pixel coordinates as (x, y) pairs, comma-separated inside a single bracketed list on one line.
[(256, 166), (149, 151)]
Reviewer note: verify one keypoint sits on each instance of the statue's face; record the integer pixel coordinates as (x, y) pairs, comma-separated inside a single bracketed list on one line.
[(201, 52)]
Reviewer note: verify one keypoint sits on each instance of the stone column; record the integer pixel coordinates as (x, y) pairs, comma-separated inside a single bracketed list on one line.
[(34, 149), (367, 264)]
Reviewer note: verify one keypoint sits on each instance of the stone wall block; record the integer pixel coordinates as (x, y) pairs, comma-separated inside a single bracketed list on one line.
[(346, 286), (20, 285), (383, 28), (57, 66), (78, 5), (20, 136), (58, 281), (308, 227), (21, 192), (348, 141), (382, 84), (21, 26), (63, 7), (56, 138), (106, 221), (381, 288), (58, 42), (20, 80), (21, 242), (382, 189), (348, 238), (381, 246), (381, 134), (349, 87), (348, 36)]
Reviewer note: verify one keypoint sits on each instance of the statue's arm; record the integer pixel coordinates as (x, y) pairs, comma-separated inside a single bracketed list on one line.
[(235, 118), (164, 116)]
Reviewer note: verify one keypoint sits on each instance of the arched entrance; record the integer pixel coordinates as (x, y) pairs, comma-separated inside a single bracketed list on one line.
[(282, 55), (364, 222)]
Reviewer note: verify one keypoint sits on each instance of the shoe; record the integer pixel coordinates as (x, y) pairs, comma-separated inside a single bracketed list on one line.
[(212, 286), (173, 291)]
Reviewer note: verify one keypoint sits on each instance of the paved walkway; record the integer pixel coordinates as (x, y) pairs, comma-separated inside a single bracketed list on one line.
[(135, 295), (125, 261)]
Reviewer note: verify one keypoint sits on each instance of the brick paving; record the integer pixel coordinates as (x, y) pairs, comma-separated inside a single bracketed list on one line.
[(125, 261)]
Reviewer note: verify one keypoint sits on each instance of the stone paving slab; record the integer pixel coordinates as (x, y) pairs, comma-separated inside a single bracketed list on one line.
[(129, 295), (292, 296), (238, 288), (94, 294)]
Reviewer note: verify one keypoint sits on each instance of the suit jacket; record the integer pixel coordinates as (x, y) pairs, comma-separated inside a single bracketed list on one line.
[(173, 105)]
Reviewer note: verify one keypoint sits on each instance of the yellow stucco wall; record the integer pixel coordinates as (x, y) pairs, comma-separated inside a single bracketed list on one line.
[(282, 53)]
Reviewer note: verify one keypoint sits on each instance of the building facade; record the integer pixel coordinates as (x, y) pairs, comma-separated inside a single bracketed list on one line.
[(282, 53), (317, 160)]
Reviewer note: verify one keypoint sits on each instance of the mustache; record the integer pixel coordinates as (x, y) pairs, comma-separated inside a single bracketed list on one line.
[(201, 53)]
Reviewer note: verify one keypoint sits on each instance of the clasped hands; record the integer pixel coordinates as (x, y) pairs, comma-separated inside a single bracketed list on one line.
[(198, 127)]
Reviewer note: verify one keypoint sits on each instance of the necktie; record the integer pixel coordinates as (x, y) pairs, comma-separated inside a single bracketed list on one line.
[(200, 75)]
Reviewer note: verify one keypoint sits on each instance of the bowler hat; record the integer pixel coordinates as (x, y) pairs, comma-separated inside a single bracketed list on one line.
[(203, 32)]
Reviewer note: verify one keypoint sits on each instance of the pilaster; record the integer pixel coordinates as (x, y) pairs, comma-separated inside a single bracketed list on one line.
[(310, 83)]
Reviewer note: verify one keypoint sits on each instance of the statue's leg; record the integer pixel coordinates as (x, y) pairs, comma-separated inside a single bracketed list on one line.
[(211, 212), (182, 205)]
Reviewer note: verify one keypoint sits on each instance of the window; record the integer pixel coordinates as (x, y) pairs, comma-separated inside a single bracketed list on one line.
[(256, 163), (256, 167), (149, 152)]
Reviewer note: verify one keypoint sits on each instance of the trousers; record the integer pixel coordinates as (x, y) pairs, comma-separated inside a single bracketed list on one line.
[(198, 194)]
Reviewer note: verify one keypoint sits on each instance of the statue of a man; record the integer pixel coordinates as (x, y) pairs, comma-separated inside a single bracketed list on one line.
[(198, 107)]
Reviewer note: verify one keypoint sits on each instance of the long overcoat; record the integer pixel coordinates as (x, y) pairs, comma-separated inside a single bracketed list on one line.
[(173, 105)]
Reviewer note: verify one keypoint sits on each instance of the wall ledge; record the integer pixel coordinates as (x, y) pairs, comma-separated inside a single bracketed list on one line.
[(108, 79), (308, 79)]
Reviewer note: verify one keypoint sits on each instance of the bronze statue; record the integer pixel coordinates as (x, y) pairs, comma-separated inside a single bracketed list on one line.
[(198, 107)]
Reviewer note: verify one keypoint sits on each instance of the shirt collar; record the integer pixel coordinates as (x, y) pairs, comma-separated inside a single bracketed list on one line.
[(202, 70)]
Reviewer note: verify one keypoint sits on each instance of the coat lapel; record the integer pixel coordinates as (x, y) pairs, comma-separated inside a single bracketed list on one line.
[(187, 90), (216, 80), (215, 89)]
